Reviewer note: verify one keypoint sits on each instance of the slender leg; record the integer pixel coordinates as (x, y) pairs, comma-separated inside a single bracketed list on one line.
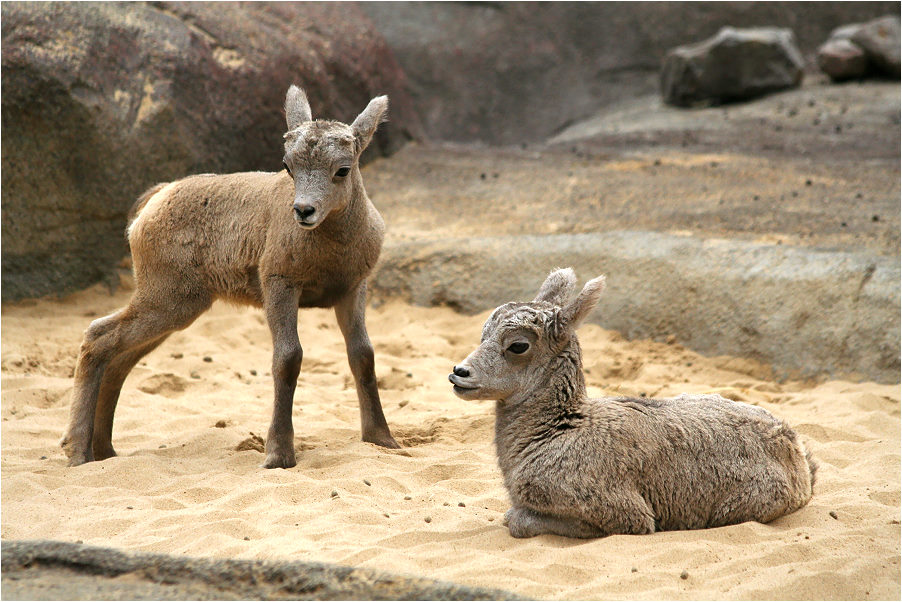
[(108, 397), (138, 325), (350, 313), (281, 307)]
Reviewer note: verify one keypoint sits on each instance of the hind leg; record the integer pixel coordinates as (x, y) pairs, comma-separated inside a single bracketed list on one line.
[(136, 326), (523, 522), (108, 397)]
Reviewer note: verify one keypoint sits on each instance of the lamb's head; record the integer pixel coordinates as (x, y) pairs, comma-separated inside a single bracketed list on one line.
[(322, 157), (521, 340)]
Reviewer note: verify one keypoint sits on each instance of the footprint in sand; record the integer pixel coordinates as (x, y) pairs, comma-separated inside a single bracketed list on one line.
[(167, 385)]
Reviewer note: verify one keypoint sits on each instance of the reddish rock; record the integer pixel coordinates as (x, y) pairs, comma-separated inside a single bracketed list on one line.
[(841, 60)]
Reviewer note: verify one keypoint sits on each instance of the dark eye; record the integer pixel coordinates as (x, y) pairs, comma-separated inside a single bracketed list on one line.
[(342, 172), (285, 165), (518, 348)]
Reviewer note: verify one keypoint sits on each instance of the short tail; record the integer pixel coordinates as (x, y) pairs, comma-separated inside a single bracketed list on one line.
[(812, 466), (139, 204)]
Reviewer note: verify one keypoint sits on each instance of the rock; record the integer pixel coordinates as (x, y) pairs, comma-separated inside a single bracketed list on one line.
[(102, 100), (808, 313), (735, 64), (50, 570), (841, 60), (875, 43), (880, 41)]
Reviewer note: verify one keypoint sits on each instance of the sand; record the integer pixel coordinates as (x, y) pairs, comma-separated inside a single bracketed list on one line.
[(433, 509)]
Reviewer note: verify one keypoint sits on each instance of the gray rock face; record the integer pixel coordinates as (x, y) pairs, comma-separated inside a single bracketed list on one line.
[(102, 100), (808, 313), (512, 72), (735, 64), (841, 60), (862, 49)]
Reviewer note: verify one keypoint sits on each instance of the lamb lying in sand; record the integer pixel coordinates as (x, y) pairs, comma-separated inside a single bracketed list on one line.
[(581, 467)]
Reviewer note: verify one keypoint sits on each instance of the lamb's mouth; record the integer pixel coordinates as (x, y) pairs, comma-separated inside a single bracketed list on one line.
[(459, 387)]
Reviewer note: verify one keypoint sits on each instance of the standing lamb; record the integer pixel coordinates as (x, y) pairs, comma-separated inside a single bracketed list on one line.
[(307, 236), (581, 467)]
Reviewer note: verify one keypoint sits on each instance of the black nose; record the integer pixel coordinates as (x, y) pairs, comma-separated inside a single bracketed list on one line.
[(304, 211), (461, 372)]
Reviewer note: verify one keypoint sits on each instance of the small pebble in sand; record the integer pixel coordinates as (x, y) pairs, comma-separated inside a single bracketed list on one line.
[(385, 514), (367, 483), (194, 374), (43, 457), (428, 519), (684, 575), (246, 538), (253, 373), (208, 359), (445, 504), (407, 497), (334, 493), (178, 356), (461, 504), (163, 446), (401, 404), (634, 570), (129, 508), (832, 513), (220, 424)]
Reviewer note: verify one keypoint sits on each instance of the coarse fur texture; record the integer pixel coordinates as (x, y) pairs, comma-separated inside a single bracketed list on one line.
[(307, 236), (582, 467)]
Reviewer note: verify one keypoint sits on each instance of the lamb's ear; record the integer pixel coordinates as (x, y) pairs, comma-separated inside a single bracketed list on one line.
[(557, 287), (366, 123), (297, 109), (585, 302)]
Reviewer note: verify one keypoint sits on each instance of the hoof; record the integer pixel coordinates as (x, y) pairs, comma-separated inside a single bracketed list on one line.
[(385, 440), (76, 457), (102, 453), (278, 460)]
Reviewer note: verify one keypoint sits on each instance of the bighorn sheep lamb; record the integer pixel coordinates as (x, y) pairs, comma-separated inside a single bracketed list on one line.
[(581, 467), (306, 236)]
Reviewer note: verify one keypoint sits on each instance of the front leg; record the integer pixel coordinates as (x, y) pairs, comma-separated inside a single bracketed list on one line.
[(281, 307), (350, 313), (523, 522)]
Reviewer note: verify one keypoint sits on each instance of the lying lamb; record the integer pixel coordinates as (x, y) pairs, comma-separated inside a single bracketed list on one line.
[(581, 467)]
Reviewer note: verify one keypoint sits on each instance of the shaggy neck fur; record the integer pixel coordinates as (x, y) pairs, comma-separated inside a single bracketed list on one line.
[(551, 408)]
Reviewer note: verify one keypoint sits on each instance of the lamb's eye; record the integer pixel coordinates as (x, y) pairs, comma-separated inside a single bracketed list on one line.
[(285, 165), (518, 348), (342, 172)]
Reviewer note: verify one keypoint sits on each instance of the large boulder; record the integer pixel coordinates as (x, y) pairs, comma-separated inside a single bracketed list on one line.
[(862, 49), (102, 100), (735, 64)]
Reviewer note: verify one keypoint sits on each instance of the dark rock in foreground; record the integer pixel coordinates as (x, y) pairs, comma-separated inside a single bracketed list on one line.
[(102, 100), (48, 570), (734, 65)]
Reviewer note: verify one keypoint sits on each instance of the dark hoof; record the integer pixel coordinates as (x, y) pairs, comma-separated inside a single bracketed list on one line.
[(277, 460)]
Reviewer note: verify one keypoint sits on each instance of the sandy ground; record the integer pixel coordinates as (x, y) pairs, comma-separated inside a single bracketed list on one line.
[(433, 509)]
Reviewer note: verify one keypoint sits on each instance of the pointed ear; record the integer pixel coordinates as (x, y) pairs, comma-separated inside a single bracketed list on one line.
[(297, 109), (557, 287), (585, 302), (366, 123)]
